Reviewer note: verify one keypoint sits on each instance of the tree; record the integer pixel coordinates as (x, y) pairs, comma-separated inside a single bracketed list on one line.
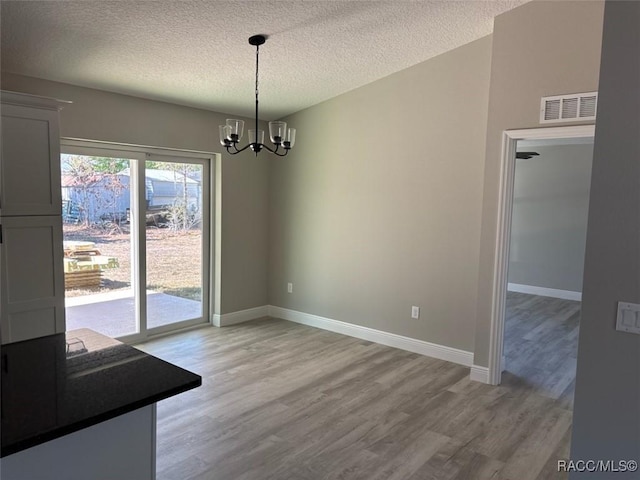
[(109, 165), (97, 185)]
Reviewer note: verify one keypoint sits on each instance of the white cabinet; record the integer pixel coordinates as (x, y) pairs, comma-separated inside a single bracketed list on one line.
[(31, 254), (121, 448), (32, 282), (30, 168)]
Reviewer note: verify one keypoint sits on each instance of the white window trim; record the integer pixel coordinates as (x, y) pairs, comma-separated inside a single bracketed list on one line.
[(78, 146)]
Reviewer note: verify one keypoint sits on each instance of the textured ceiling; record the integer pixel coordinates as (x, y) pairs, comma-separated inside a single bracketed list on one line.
[(196, 52)]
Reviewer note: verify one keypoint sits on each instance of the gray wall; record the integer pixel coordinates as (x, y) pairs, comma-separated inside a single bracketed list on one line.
[(550, 207), (607, 402), (539, 49), (378, 206), (242, 182)]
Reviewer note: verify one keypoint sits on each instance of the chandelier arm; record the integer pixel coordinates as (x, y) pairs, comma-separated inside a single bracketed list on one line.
[(286, 150), (238, 150), (243, 148), (271, 149), (275, 152)]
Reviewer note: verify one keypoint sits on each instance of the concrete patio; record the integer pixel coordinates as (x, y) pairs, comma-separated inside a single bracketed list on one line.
[(113, 314)]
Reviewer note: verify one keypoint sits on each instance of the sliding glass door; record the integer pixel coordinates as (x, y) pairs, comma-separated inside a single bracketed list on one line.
[(174, 240), (136, 239), (98, 246)]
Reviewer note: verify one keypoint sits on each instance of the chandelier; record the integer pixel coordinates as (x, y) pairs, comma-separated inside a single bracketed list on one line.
[(280, 135)]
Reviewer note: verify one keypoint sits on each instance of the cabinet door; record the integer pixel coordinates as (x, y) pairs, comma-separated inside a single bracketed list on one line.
[(32, 278), (30, 162)]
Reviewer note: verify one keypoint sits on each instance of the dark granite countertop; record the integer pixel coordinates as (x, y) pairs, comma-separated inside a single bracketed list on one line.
[(56, 385)]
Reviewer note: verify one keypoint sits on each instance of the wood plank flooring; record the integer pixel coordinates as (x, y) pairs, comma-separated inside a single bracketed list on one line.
[(282, 401), (541, 345)]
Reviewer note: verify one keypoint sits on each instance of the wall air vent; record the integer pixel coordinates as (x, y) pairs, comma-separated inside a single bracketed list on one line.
[(569, 108)]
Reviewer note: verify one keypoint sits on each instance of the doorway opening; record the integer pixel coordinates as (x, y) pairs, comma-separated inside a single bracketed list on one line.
[(552, 180), (137, 238), (531, 246)]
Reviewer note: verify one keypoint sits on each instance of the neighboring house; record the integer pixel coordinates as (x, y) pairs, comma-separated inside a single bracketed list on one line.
[(107, 196), (164, 187)]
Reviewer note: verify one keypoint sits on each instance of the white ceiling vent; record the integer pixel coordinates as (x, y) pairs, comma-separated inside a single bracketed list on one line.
[(569, 108)]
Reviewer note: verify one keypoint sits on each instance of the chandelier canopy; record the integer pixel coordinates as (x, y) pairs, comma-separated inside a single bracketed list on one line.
[(280, 135)]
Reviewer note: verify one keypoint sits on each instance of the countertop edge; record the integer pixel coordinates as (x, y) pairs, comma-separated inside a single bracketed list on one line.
[(74, 427)]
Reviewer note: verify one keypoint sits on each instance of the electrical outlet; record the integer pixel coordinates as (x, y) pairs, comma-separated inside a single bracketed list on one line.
[(289, 287), (415, 312)]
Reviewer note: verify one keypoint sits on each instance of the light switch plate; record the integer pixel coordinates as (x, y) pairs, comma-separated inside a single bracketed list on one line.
[(628, 317)]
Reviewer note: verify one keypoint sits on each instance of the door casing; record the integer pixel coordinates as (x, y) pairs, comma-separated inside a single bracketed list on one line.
[(503, 233)]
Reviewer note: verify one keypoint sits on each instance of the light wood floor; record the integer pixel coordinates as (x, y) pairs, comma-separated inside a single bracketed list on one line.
[(282, 401)]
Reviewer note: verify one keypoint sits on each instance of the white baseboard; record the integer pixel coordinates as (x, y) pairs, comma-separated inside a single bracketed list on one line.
[(421, 347), (233, 318), (479, 374), (545, 292), (434, 350)]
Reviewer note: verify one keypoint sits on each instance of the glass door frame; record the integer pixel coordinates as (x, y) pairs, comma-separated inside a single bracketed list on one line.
[(140, 154)]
